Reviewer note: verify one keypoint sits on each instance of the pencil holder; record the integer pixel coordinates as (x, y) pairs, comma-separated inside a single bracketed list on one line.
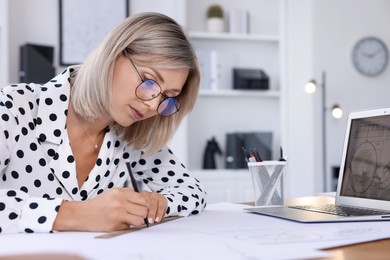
[(269, 184)]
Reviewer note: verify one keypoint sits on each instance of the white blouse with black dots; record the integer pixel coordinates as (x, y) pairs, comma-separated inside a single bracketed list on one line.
[(38, 170)]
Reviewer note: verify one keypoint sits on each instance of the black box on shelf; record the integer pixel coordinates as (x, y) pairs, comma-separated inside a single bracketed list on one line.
[(250, 79), (235, 158), (36, 63)]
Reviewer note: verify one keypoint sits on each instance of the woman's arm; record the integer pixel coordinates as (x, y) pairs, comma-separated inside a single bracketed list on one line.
[(18, 211), (21, 213), (164, 174)]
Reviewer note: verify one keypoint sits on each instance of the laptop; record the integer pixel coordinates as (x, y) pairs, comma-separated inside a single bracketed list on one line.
[(363, 190)]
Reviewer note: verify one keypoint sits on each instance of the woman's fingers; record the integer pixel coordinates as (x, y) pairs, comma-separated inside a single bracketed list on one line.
[(161, 208), (121, 208), (157, 206)]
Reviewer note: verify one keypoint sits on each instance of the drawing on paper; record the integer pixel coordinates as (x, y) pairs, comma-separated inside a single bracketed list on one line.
[(293, 235)]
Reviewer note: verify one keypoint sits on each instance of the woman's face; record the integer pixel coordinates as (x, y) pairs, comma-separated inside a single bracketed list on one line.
[(125, 107)]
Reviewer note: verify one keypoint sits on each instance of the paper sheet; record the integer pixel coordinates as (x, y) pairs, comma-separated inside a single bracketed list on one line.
[(223, 230)]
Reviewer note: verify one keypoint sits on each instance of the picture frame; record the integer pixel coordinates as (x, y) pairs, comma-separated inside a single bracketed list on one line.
[(84, 24)]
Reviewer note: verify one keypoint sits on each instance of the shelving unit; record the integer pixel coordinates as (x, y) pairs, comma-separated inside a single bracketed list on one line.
[(221, 109), (240, 93), (233, 36)]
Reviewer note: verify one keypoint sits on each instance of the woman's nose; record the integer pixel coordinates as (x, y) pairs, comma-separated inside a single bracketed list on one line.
[(154, 103)]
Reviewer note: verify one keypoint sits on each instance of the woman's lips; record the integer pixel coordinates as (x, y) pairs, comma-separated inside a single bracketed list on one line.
[(136, 113)]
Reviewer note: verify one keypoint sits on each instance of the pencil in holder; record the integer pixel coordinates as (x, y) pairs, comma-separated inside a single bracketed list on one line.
[(269, 184)]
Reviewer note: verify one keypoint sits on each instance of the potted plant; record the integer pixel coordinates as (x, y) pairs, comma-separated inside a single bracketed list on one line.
[(215, 22)]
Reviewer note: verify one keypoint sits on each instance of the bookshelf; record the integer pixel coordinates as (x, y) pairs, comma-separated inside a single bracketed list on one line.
[(220, 108)]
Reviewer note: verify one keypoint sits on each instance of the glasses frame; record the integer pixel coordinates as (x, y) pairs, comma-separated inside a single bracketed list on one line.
[(165, 97)]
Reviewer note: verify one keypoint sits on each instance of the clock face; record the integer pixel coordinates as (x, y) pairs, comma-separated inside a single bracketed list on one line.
[(370, 56)]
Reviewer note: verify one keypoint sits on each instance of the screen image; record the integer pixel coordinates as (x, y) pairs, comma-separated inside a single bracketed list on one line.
[(367, 165)]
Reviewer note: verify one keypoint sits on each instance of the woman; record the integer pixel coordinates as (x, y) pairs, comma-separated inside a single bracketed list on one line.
[(65, 144)]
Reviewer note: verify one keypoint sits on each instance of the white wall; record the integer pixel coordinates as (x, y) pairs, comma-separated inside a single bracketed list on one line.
[(320, 37), (304, 153), (172, 8), (337, 26), (4, 68), (32, 22)]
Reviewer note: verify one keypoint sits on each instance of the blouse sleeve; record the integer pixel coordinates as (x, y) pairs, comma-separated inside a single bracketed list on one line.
[(21, 213), (165, 174), (18, 211)]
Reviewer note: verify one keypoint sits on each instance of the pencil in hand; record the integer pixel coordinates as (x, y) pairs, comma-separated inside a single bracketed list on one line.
[(135, 186)]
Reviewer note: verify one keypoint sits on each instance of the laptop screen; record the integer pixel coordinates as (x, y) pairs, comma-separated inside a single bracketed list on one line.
[(367, 164)]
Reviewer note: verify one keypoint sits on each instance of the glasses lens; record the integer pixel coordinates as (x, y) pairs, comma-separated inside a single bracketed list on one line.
[(168, 107), (148, 90)]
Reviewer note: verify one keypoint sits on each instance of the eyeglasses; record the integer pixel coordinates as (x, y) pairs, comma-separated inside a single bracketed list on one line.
[(149, 89)]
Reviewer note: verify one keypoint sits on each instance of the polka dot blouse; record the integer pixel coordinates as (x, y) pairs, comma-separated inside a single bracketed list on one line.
[(38, 170)]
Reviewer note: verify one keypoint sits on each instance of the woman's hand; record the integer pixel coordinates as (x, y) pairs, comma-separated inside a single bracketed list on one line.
[(157, 206), (115, 209)]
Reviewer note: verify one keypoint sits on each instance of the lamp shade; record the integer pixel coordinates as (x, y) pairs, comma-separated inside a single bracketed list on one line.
[(311, 86), (337, 112)]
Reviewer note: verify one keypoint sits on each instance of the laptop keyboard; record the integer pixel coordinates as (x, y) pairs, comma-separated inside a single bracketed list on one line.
[(341, 210)]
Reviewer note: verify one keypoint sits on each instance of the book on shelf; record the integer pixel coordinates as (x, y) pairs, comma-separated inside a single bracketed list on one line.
[(238, 21), (209, 68)]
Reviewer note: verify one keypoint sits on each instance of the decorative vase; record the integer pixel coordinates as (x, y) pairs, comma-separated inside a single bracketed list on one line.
[(215, 25)]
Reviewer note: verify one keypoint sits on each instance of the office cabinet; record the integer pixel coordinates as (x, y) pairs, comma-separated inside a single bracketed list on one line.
[(226, 185)]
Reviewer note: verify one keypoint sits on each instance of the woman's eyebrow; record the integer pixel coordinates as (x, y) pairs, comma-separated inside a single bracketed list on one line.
[(175, 91), (161, 79)]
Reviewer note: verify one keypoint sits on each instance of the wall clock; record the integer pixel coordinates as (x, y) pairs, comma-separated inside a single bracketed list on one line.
[(370, 56)]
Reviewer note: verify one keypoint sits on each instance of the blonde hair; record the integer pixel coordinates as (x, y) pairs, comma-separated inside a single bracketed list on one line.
[(157, 41)]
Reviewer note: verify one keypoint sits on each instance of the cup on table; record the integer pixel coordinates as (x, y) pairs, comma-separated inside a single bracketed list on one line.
[(269, 183)]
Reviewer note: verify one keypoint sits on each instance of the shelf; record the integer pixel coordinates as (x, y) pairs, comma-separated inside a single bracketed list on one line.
[(226, 185), (215, 173), (221, 109), (232, 36), (240, 93)]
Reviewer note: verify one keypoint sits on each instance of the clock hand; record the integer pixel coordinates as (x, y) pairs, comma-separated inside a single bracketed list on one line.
[(376, 52), (368, 55), (372, 54)]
